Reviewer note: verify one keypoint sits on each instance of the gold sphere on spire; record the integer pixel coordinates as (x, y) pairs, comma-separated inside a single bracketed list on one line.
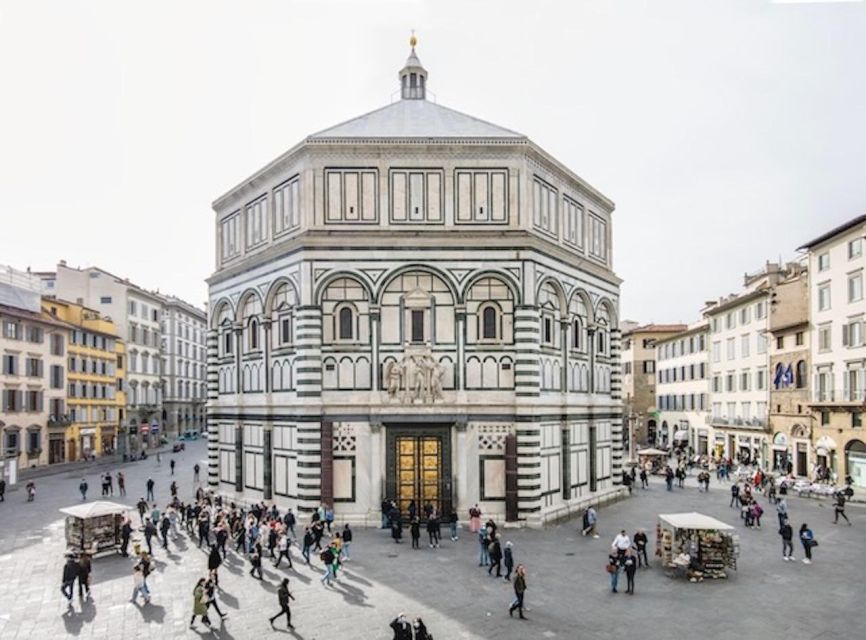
[(413, 40)]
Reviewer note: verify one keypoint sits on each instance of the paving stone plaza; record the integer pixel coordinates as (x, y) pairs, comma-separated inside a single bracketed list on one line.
[(568, 593)]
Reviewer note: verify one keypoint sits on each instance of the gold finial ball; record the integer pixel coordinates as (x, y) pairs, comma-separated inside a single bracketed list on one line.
[(413, 41)]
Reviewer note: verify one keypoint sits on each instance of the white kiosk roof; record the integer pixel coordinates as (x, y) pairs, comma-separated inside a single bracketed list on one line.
[(693, 520), (95, 509), (652, 452)]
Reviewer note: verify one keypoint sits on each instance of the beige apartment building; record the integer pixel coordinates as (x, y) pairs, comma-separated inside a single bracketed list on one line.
[(639, 380)]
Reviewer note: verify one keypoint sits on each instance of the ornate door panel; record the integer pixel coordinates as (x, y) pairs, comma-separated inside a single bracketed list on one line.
[(419, 468)]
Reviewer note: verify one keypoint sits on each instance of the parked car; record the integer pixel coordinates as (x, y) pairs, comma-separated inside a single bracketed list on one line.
[(190, 435)]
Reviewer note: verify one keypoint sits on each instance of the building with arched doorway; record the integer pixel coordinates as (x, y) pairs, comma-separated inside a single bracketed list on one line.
[(418, 305)]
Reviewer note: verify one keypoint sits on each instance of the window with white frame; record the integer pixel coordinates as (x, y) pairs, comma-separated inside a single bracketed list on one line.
[(824, 297), (345, 317), (761, 379), (229, 241), (287, 206), (855, 248), (256, 213), (717, 351), (730, 320), (731, 349), (762, 343), (855, 287), (489, 321), (825, 337), (824, 261), (745, 316), (744, 345), (760, 310), (852, 333)]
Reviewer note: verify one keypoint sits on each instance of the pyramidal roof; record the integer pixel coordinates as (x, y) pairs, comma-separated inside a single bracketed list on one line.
[(413, 116), (415, 119)]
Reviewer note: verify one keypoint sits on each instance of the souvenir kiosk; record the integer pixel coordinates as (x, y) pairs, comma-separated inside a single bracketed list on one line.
[(94, 527), (696, 546)]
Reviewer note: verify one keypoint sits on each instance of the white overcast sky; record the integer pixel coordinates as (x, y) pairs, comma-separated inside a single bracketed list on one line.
[(727, 132)]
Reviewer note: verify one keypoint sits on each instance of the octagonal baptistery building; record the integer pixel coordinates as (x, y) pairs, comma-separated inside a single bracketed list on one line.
[(418, 305)]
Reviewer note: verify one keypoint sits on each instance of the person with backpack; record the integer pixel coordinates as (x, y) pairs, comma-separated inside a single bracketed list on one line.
[(283, 597), (70, 574), (483, 545), (327, 558), (508, 560), (420, 630), (402, 628), (82, 487), (807, 539)]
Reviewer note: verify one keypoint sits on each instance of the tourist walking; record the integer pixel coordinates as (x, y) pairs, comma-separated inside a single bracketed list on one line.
[(327, 558), (82, 487), (308, 542), (613, 567), (210, 587), (283, 551), (125, 533), (2, 490), (402, 628), (433, 530), (640, 543), (508, 560), (256, 562), (590, 519), (839, 508), (782, 510), (199, 604), (735, 495), (214, 560), (519, 592), (452, 523), (149, 494), (84, 571), (347, 542), (70, 574), (139, 586), (495, 551), (171, 465), (195, 471), (807, 539), (164, 526), (149, 532), (474, 519), (283, 597), (787, 533), (483, 547), (121, 483), (629, 564), (644, 479), (420, 630)]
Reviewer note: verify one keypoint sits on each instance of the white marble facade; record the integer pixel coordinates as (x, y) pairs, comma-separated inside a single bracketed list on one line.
[(415, 275)]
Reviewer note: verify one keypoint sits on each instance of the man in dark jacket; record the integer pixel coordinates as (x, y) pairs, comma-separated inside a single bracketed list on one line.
[(283, 596), (787, 533), (70, 573), (164, 526), (141, 505), (402, 628), (125, 532), (519, 590), (495, 551), (2, 490), (508, 556), (149, 532), (289, 521)]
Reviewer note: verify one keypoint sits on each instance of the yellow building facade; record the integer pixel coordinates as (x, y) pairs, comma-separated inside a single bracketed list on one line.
[(95, 395)]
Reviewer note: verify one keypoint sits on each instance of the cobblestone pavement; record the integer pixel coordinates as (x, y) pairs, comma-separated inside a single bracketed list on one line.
[(568, 593)]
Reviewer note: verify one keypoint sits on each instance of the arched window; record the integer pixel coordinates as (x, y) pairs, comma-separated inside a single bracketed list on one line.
[(254, 334), (801, 374), (347, 324), (489, 323)]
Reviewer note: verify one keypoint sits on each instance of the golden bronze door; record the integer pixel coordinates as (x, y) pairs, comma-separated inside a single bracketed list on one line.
[(419, 472)]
